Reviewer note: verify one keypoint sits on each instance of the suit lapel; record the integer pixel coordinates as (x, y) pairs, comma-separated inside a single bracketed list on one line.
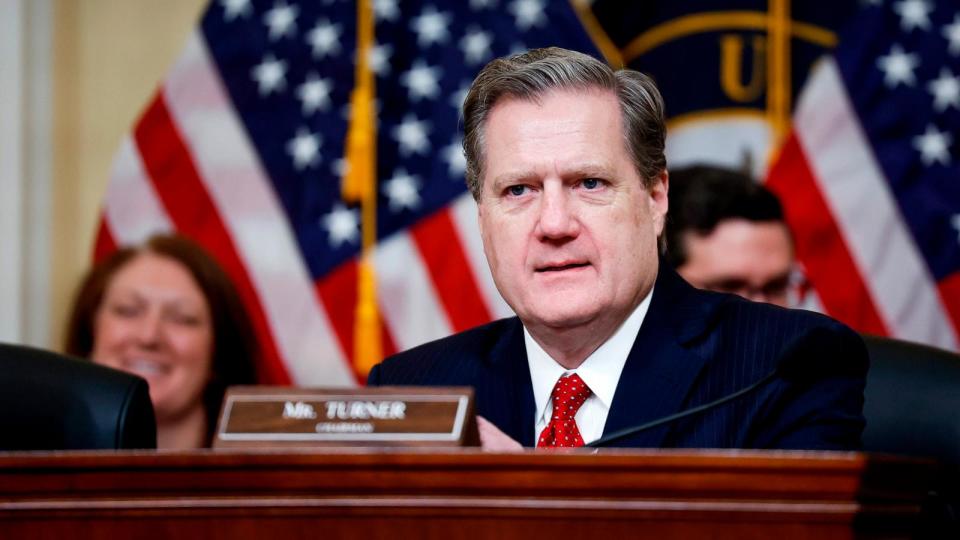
[(661, 367), (507, 399)]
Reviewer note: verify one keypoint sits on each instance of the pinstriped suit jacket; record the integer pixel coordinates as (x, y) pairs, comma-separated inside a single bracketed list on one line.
[(693, 347)]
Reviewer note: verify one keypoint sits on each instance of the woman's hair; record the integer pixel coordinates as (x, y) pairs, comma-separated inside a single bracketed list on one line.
[(234, 346)]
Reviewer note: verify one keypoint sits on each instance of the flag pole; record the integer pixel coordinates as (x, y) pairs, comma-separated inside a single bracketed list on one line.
[(359, 185), (778, 72)]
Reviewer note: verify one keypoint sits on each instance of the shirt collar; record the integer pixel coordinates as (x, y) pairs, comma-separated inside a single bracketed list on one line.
[(600, 371)]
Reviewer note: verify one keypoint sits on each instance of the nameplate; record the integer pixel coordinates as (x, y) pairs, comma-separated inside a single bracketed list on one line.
[(261, 416)]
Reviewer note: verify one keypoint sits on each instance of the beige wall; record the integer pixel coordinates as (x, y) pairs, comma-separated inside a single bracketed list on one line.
[(109, 56)]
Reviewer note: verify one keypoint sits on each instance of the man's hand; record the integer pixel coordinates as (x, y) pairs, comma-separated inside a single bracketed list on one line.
[(494, 440)]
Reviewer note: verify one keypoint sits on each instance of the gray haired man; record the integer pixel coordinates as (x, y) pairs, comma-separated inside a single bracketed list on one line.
[(565, 160)]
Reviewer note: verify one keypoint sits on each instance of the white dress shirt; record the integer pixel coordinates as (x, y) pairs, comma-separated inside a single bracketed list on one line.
[(600, 371)]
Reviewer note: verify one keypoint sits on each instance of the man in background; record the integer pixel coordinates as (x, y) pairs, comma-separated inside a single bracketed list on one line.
[(727, 233)]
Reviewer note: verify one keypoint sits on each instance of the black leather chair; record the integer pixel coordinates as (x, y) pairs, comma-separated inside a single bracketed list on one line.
[(912, 400), (912, 407), (52, 402)]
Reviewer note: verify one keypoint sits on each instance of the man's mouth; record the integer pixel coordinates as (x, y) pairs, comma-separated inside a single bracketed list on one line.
[(561, 267)]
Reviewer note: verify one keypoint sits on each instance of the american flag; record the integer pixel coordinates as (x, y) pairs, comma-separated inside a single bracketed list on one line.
[(870, 175), (241, 149), (866, 164)]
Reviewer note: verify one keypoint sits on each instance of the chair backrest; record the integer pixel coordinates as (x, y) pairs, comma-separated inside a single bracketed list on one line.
[(52, 402), (912, 400)]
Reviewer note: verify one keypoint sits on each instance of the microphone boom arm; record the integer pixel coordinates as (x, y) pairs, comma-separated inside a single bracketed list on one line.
[(617, 435)]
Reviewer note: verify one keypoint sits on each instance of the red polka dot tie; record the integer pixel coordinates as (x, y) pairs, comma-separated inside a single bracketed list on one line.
[(568, 395)]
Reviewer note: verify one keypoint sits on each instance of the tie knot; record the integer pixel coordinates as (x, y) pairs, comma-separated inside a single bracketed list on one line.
[(568, 395)]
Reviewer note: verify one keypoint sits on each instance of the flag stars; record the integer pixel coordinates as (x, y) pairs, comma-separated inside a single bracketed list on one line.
[(955, 221), (431, 27), (898, 67), (528, 13), (456, 161), (952, 33), (324, 39), (422, 81), (281, 20), (402, 191), (378, 58), (517, 48), (945, 90), (314, 94), (460, 95), (411, 134), (339, 167), (305, 149), (235, 8), (913, 14), (476, 46), (342, 225), (270, 75), (386, 10), (934, 146), (477, 5)]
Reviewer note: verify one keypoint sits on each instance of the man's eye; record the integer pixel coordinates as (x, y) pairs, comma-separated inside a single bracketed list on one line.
[(590, 183), (777, 286), (517, 190)]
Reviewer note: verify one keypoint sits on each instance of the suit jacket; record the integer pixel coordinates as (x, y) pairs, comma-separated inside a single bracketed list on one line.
[(693, 347)]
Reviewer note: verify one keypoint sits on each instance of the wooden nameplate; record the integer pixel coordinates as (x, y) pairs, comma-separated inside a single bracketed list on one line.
[(265, 416)]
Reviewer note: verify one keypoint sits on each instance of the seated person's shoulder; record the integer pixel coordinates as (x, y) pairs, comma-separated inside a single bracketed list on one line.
[(452, 360), (777, 329), (816, 399), (742, 312)]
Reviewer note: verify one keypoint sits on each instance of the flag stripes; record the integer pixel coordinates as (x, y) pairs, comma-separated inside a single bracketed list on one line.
[(338, 294), (819, 244), (255, 222), (463, 212), (949, 289), (409, 300), (193, 213), (450, 271), (897, 279), (131, 203)]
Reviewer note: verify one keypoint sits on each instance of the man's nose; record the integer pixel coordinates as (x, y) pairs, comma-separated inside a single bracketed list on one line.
[(558, 216)]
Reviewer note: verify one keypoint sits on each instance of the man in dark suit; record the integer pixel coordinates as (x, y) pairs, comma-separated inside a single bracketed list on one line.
[(565, 160)]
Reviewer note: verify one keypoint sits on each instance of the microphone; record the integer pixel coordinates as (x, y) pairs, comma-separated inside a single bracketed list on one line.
[(794, 367)]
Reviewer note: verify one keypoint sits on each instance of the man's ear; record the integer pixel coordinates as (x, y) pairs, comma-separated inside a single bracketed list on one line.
[(659, 201)]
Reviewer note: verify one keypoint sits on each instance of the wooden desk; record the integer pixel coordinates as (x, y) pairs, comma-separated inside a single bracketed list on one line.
[(457, 494)]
